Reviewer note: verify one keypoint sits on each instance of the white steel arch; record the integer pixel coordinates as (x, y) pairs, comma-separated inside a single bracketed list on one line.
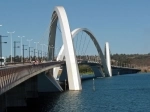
[(74, 32), (108, 60), (71, 62)]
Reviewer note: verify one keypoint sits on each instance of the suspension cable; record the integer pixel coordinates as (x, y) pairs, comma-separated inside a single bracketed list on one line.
[(87, 46), (76, 48), (58, 28), (84, 43), (80, 41), (47, 30)]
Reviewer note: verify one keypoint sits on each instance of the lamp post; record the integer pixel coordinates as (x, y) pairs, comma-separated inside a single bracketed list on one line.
[(38, 54), (11, 43), (23, 52), (34, 54), (46, 50), (21, 46), (36, 45), (29, 40), (42, 50), (15, 49), (1, 47), (29, 53), (45, 56)]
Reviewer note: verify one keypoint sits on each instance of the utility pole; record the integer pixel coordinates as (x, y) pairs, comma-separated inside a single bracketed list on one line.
[(29, 53), (36, 45), (15, 49), (29, 40), (21, 46), (23, 52), (38, 54), (34, 54), (42, 50)]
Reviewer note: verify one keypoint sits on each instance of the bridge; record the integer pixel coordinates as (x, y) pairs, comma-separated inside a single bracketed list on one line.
[(31, 79)]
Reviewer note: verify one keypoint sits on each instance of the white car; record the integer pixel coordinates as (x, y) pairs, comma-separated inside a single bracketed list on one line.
[(2, 61)]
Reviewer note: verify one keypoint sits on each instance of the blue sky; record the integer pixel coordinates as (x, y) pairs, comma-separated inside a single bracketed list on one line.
[(124, 24)]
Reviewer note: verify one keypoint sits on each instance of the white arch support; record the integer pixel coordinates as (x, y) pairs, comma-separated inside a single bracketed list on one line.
[(74, 32), (71, 62), (107, 55)]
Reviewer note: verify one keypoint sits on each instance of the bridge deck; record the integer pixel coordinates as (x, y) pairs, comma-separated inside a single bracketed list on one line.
[(13, 75)]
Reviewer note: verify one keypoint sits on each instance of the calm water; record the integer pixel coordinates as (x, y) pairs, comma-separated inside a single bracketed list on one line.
[(126, 93)]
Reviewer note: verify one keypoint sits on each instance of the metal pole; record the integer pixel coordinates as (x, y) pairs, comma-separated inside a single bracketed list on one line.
[(23, 53), (21, 49), (34, 54), (45, 55), (29, 53), (21, 46), (38, 54), (93, 85), (29, 41), (41, 55), (42, 50), (11, 43), (36, 45), (14, 50), (65, 84)]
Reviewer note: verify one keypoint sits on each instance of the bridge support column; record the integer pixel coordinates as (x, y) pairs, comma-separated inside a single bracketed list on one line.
[(16, 96), (63, 75), (31, 87), (47, 83), (97, 71)]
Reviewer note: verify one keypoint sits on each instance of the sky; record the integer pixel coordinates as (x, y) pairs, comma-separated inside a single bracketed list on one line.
[(124, 24)]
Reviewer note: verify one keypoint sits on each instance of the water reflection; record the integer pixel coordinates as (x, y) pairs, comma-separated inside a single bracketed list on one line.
[(115, 94)]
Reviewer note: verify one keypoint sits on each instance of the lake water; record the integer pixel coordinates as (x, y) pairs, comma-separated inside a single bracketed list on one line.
[(125, 93)]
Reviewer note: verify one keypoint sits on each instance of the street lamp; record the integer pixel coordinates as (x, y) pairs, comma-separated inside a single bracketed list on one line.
[(36, 45), (29, 53), (45, 56), (39, 53), (23, 52), (15, 49), (34, 53), (21, 45), (42, 50), (29, 40), (11, 43), (1, 47)]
